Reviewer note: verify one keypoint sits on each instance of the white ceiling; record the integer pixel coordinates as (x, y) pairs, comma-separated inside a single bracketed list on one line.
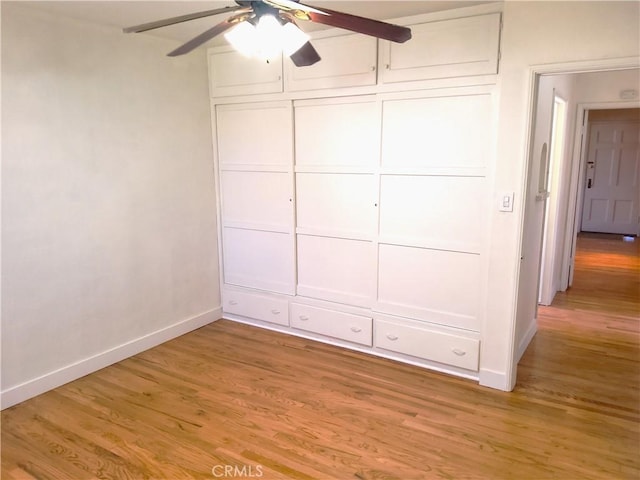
[(126, 13)]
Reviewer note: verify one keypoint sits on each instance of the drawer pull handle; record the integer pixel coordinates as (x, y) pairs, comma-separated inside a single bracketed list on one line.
[(356, 329), (275, 311), (232, 302), (304, 318), (460, 353), (391, 337)]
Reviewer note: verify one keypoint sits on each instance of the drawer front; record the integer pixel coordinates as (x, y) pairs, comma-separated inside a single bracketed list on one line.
[(428, 344), (345, 326), (260, 307)]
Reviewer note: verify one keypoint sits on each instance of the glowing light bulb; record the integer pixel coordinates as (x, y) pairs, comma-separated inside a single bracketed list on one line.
[(292, 38), (269, 37), (243, 37)]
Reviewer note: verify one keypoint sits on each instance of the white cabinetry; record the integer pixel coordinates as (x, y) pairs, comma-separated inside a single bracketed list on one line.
[(337, 193), (358, 217), (347, 61), (231, 73), (267, 308), (256, 195), (443, 345), (335, 324), (444, 49), (433, 202)]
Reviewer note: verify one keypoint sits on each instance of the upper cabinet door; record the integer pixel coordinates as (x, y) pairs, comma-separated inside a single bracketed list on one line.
[(347, 61), (444, 49), (231, 73)]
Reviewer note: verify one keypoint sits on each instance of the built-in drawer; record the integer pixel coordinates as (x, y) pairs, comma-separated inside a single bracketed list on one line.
[(345, 326), (260, 307), (429, 344)]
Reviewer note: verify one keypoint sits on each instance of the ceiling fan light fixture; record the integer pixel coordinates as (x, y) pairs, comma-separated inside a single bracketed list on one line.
[(244, 38), (268, 37), (292, 38)]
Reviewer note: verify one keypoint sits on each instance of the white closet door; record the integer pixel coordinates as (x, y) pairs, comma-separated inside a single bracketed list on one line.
[(261, 200), (336, 204), (433, 211), (338, 133), (449, 134), (258, 259), (255, 134), (432, 285), (336, 269)]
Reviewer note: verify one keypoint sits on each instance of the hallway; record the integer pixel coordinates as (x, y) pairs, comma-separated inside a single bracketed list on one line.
[(585, 357)]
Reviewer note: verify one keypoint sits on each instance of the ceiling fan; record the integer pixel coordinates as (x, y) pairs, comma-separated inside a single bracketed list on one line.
[(285, 12)]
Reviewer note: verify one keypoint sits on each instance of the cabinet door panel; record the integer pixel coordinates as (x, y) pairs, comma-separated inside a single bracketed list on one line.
[(259, 199), (255, 134), (340, 134), (347, 61), (443, 49), (336, 202), (436, 211), (440, 132), (437, 286), (231, 73), (256, 259), (336, 269)]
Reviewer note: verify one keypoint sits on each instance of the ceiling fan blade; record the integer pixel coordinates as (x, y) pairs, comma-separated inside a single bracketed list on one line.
[(305, 56), (209, 34), (375, 28), (182, 18), (287, 5)]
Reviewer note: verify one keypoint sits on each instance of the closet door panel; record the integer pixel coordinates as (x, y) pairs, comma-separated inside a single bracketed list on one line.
[(338, 133), (451, 132), (433, 211), (258, 259), (336, 269), (267, 206), (343, 204), (255, 134), (433, 285)]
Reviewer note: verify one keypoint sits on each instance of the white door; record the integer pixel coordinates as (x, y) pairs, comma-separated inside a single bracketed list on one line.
[(611, 195)]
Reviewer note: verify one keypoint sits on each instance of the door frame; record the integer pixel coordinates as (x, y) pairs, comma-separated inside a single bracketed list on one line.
[(584, 66), (578, 173)]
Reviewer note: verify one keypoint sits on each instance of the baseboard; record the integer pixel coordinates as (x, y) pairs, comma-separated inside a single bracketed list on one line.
[(497, 380), (526, 339), (56, 378)]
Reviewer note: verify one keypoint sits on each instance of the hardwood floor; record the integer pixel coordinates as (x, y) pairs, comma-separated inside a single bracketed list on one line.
[(265, 405)]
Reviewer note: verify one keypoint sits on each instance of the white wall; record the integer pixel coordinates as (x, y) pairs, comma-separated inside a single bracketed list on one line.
[(108, 201), (594, 87), (535, 34)]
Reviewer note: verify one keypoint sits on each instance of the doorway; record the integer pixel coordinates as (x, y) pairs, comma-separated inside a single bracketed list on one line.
[(611, 193), (583, 91)]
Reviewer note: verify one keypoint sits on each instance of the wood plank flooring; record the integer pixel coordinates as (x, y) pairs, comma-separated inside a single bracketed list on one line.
[(233, 401)]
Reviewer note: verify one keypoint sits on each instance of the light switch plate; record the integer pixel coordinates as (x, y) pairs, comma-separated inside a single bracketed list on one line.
[(505, 202)]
